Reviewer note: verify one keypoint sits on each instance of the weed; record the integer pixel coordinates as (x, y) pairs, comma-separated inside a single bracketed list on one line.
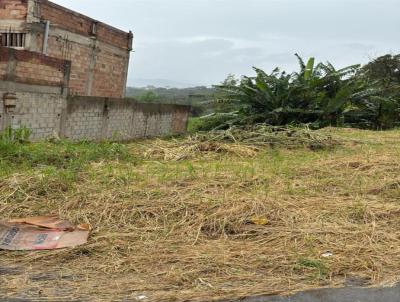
[(18, 135), (316, 265), (358, 213)]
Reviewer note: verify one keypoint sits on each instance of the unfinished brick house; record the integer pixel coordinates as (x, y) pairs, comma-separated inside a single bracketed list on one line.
[(65, 73), (99, 53)]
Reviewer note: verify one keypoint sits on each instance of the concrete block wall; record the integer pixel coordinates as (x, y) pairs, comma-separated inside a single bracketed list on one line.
[(98, 118), (83, 121), (40, 112), (140, 128), (90, 118), (119, 117)]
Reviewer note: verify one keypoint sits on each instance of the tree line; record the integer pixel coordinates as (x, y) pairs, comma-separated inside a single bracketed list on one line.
[(318, 95)]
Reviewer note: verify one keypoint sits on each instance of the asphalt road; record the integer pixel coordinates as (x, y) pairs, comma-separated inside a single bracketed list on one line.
[(349, 294)]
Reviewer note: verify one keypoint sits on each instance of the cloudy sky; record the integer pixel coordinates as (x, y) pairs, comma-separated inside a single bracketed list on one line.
[(199, 42)]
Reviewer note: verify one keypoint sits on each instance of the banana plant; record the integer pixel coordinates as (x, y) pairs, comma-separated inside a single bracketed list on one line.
[(316, 93)]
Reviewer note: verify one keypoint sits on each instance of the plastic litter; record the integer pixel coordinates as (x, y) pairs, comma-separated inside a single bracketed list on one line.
[(327, 254)]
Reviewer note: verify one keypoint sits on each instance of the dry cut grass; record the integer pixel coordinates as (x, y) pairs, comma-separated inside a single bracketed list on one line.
[(234, 220)]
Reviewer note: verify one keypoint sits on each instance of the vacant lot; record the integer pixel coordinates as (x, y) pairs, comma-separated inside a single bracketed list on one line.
[(175, 223)]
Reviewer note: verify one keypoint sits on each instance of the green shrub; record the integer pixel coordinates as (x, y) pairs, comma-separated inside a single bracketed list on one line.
[(211, 122), (19, 135)]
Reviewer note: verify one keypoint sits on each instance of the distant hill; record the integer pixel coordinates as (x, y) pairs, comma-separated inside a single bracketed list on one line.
[(163, 83)]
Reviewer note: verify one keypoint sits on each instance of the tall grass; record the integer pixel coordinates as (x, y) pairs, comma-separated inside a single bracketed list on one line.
[(16, 153)]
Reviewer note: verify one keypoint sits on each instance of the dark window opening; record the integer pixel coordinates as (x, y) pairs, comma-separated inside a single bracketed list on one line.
[(12, 39)]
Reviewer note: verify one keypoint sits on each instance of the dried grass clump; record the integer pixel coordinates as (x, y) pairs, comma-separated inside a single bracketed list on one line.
[(264, 135), (242, 142), (192, 147)]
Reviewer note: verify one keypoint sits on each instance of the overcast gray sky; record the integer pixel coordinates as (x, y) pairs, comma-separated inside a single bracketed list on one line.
[(200, 42)]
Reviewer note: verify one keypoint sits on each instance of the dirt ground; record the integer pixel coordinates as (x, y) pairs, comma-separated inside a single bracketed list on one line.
[(221, 223)]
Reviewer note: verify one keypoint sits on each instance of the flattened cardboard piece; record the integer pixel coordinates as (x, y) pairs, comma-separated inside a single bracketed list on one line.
[(27, 237), (50, 222)]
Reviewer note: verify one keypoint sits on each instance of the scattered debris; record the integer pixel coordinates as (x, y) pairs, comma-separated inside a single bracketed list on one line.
[(259, 220), (327, 254), (41, 233)]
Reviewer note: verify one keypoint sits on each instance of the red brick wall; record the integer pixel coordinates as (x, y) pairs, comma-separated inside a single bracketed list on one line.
[(109, 76), (79, 57), (98, 63), (109, 70), (81, 24), (31, 68), (13, 9)]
